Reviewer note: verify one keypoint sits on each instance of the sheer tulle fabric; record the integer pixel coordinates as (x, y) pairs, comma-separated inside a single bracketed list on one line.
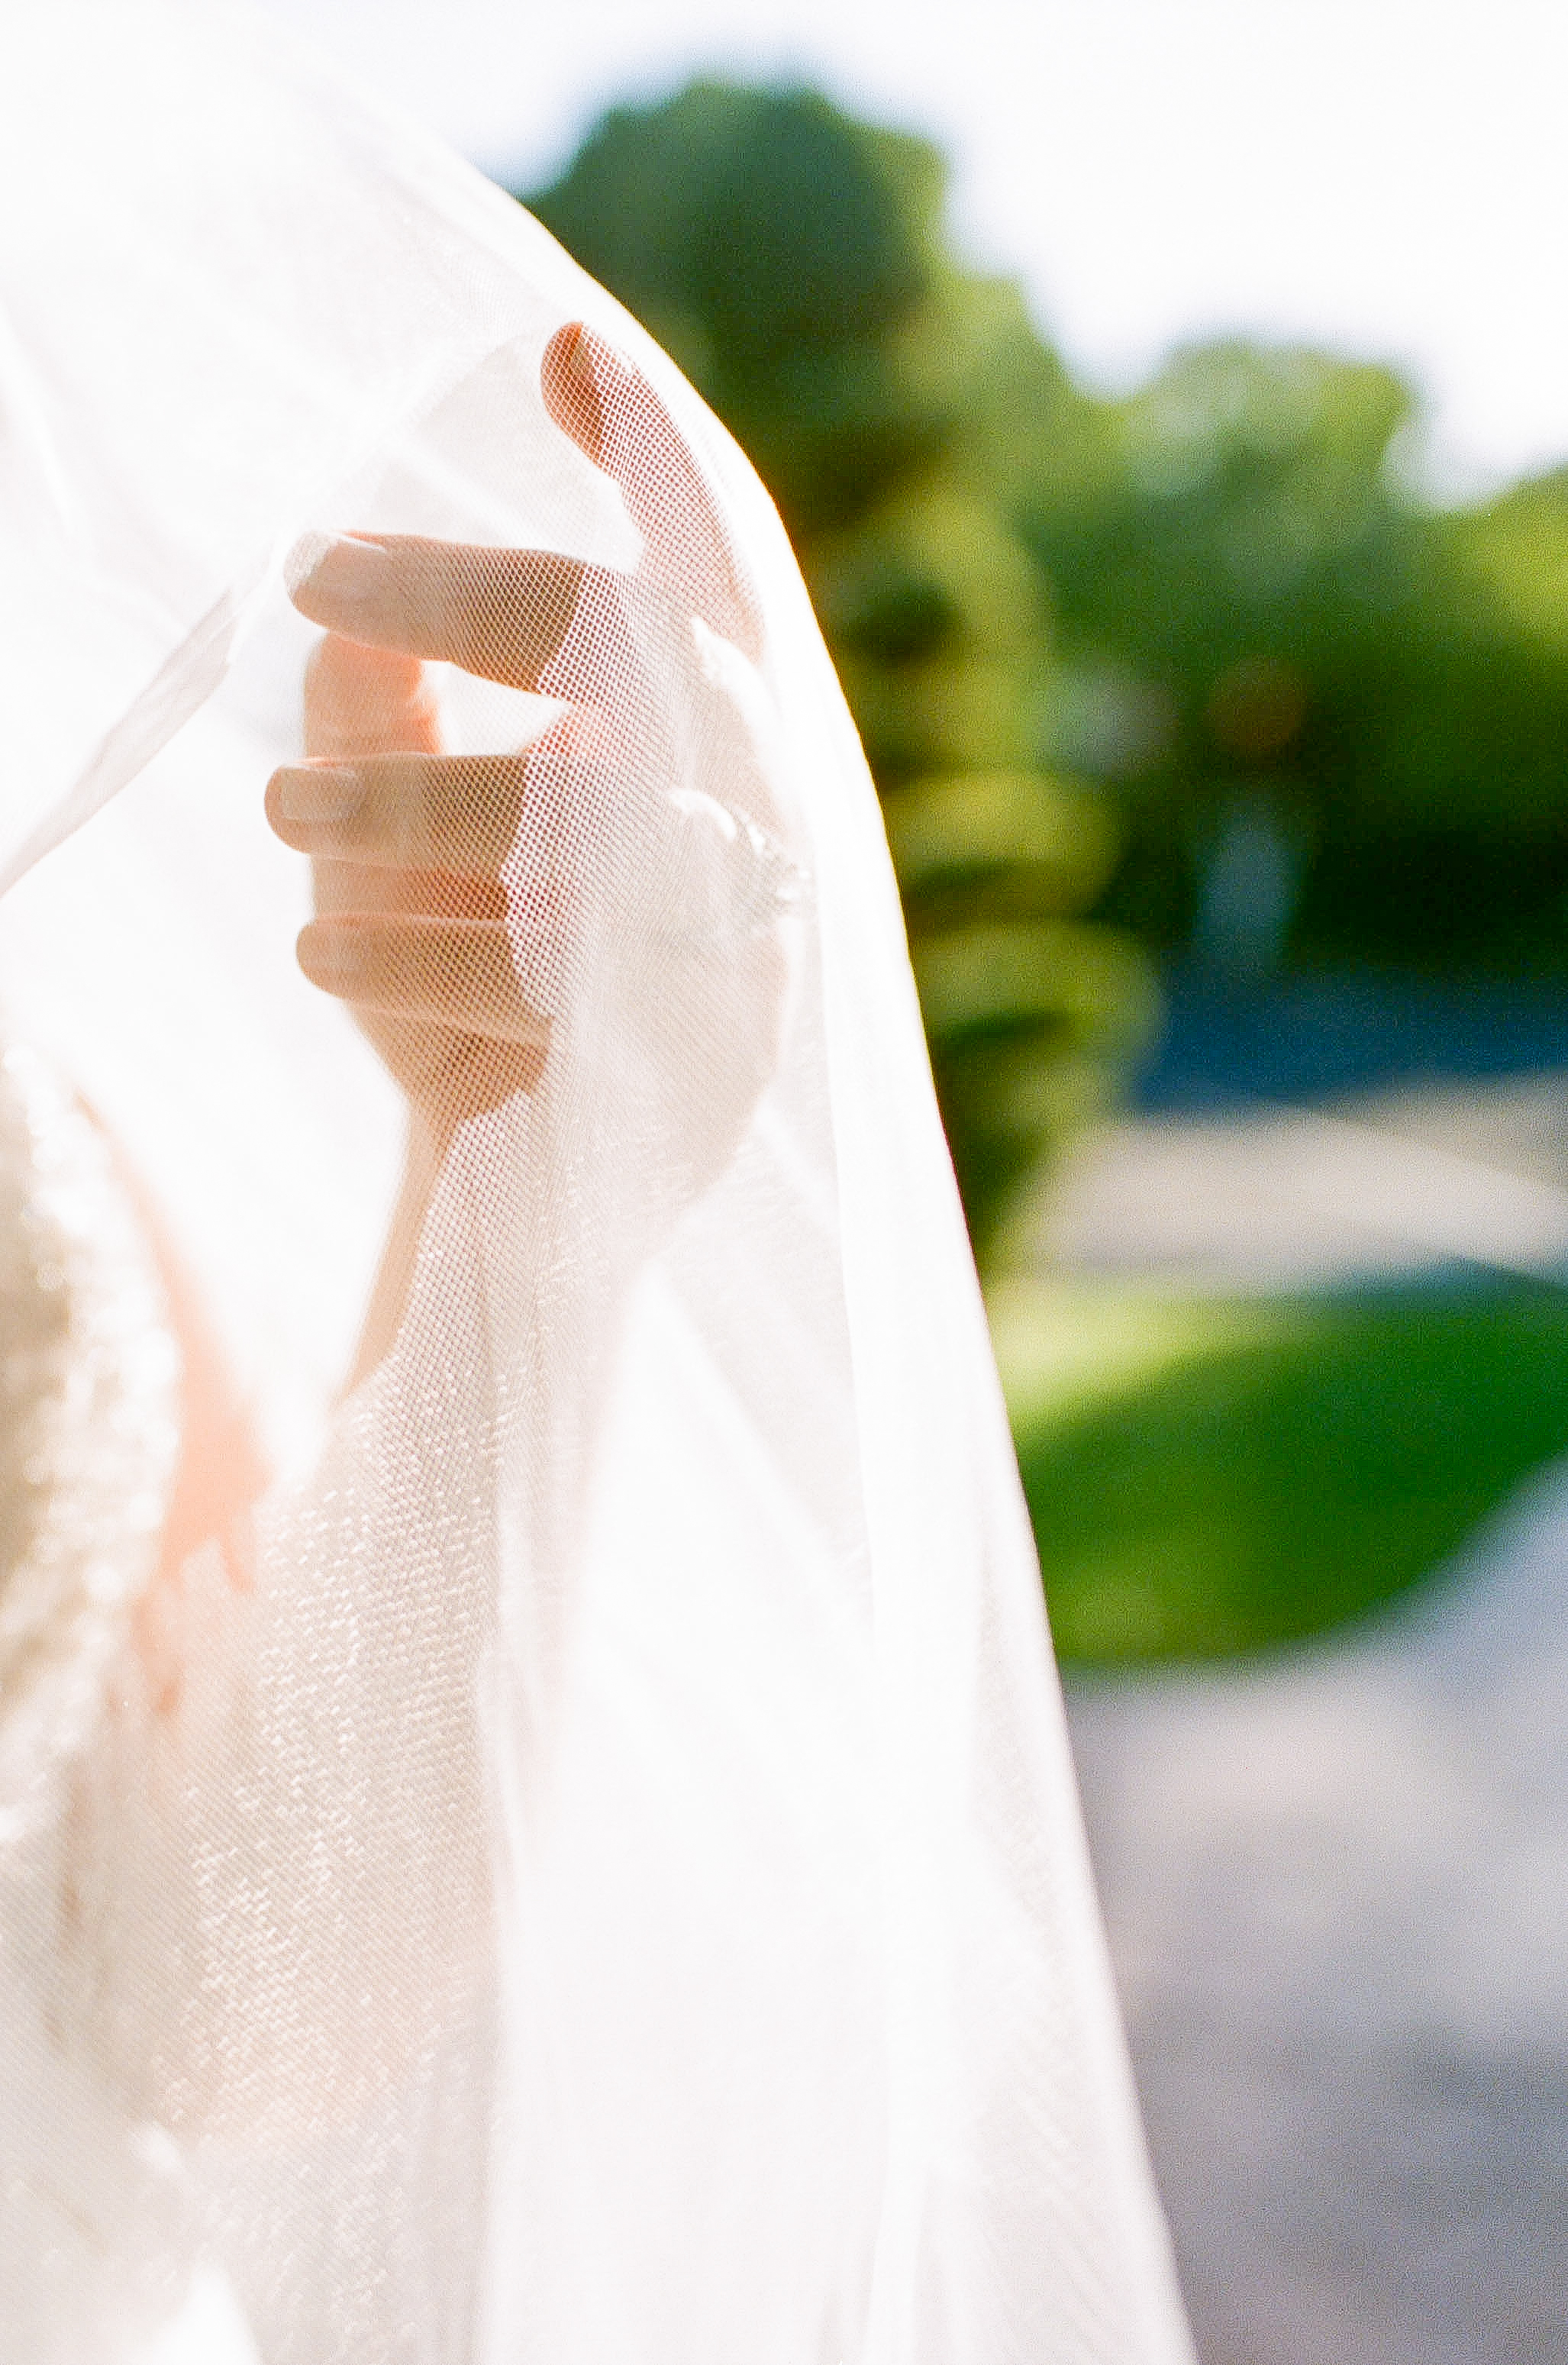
[(587, 1866)]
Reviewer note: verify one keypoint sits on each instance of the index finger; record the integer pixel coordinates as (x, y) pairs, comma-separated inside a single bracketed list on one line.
[(500, 613)]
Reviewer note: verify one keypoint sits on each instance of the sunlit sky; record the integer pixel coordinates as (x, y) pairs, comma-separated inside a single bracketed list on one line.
[(1386, 176)]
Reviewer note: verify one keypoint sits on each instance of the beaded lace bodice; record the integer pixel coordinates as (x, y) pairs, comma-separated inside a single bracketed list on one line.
[(89, 1378), (89, 1375)]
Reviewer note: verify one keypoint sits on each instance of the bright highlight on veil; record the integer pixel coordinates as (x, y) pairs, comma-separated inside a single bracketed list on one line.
[(544, 1830)]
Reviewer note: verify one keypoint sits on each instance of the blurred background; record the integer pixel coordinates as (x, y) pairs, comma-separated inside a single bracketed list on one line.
[(1167, 400)]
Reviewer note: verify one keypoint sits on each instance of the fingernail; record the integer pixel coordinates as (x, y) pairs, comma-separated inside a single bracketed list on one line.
[(319, 792), (343, 570), (304, 559), (336, 958)]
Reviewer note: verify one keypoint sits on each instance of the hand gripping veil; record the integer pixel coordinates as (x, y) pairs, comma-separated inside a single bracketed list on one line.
[(573, 1856)]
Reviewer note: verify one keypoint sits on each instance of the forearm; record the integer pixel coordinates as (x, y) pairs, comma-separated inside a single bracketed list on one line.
[(429, 1142)]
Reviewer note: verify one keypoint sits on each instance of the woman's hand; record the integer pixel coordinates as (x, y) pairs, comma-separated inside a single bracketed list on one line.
[(623, 871), (408, 847)]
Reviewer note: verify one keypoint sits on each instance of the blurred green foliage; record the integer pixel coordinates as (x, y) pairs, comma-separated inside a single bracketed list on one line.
[(1281, 654), (794, 262), (1192, 672)]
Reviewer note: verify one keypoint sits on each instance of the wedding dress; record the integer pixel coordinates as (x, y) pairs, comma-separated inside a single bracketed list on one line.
[(567, 1851)]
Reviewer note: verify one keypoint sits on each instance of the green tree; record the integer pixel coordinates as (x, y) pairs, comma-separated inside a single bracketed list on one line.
[(1270, 645), (795, 263)]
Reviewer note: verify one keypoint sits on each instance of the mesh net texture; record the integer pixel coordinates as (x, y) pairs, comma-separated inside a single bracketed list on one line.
[(575, 1858)]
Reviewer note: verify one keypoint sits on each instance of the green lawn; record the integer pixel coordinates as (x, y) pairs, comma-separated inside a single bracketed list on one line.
[(1215, 1475)]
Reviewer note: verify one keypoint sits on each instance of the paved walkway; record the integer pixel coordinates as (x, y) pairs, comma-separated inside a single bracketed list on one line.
[(1337, 1882), (1277, 1198), (1337, 1887)]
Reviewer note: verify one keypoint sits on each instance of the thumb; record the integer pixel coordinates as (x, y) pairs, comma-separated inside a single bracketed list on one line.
[(611, 413), (367, 701)]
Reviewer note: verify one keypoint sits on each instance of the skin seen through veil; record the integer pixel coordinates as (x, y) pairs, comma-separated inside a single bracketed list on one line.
[(589, 1868), (437, 878), (409, 846)]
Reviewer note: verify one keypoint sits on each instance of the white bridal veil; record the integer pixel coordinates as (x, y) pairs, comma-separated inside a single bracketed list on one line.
[(574, 1858)]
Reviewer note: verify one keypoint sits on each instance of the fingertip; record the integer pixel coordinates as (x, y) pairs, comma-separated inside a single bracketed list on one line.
[(272, 803), (336, 960), (308, 952), (303, 561), (347, 581), (319, 794), (569, 380)]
